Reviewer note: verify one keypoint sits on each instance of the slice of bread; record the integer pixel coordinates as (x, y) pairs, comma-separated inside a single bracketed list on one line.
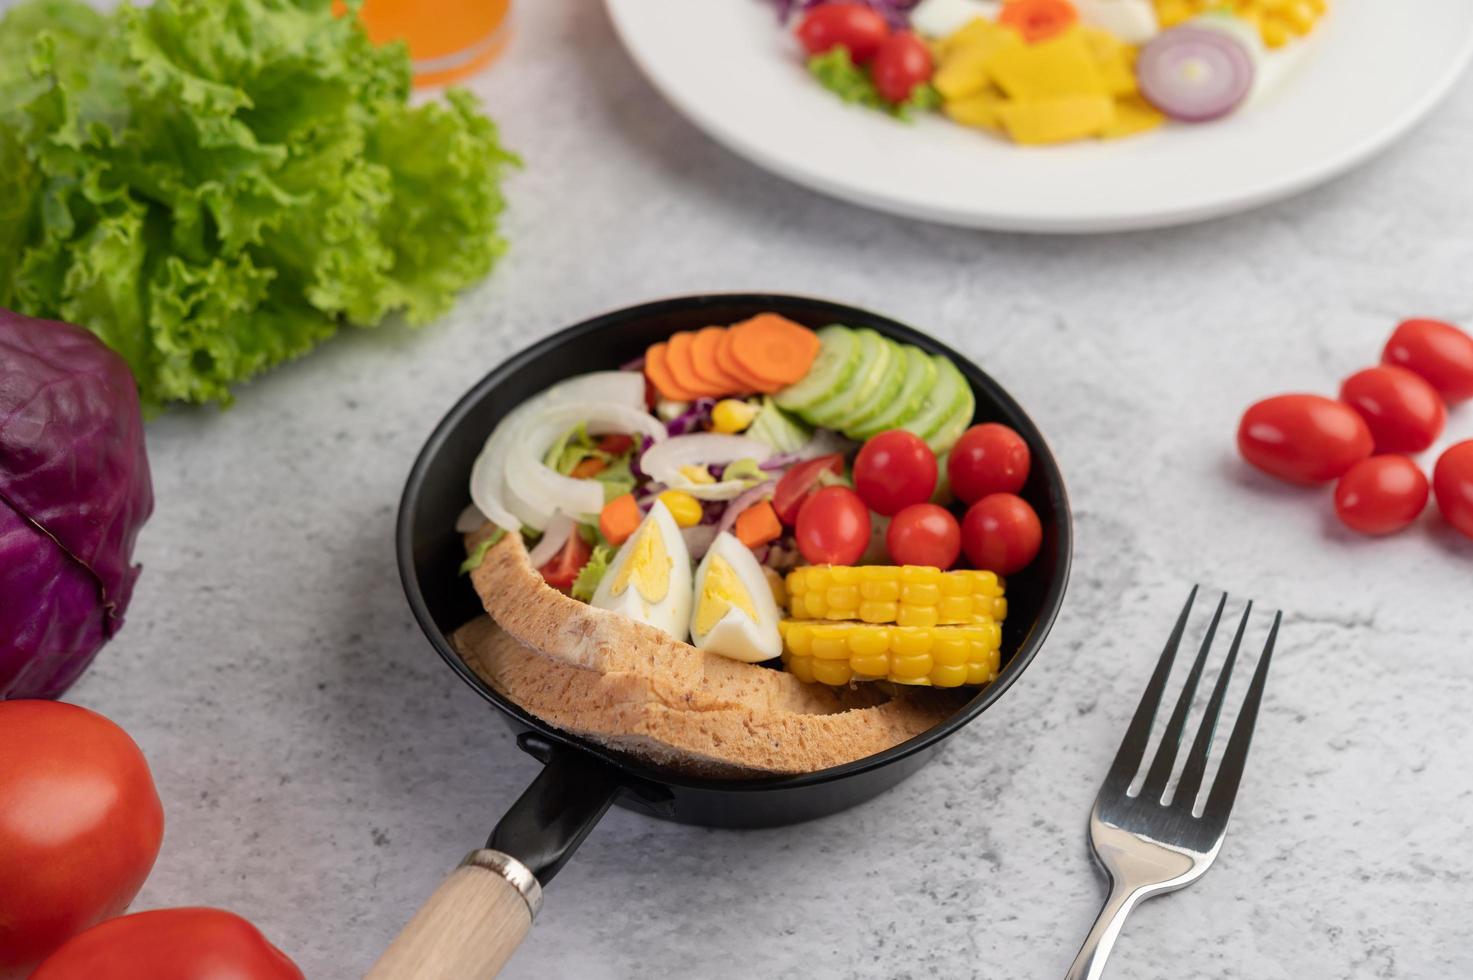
[(628, 712)]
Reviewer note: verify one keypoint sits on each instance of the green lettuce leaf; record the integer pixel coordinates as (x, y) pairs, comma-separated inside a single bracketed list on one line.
[(215, 188), (593, 572)]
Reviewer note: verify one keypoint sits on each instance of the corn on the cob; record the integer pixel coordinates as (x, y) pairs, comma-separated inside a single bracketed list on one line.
[(909, 595), (941, 656), (1277, 21)]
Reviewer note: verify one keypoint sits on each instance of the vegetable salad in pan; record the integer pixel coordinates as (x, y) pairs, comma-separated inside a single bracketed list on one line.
[(771, 493), (1053, 71)]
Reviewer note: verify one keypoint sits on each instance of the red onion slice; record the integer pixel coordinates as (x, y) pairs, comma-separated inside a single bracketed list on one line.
[(1195, 74)]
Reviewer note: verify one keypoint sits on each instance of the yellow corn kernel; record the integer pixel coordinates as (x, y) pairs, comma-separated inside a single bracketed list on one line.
[(940, 656), (908, 596), (683, 507), (697, 474), (775, 583), (732, 415)]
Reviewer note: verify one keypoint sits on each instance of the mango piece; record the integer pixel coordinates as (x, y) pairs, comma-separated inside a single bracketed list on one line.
[(1062, 65), (982, 110), (964, 67), (978, 31), (1118, 75), (1057, 118), (1133, 115)]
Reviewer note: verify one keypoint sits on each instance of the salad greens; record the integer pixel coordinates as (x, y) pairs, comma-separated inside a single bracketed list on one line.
[(575, 448), (214, 187), (837, 72), (593, 572)]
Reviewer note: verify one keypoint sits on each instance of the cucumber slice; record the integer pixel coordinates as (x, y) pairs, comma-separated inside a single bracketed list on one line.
[(837, 360), (883, 394), (952, 428), (920, 373), (778, 429), (874, 363), (946, 399)]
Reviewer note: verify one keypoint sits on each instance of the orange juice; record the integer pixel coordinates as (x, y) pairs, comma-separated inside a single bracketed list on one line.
[(448, 39)]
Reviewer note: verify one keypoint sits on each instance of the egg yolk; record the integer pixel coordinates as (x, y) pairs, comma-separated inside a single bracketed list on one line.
[(648, 565), (721, 590)]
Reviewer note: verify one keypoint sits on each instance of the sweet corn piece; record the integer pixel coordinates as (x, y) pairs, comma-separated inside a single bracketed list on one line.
[(937, 656), (910, 595), (732, 415), (1277, 21), (697, 474), (683, 507)]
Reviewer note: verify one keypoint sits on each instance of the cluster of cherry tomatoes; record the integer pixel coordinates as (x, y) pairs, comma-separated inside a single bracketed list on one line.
[(895, 476), (1366, 439), (897, 61), (80, 827)]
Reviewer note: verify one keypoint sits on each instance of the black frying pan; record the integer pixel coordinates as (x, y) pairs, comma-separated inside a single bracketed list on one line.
[(473, 922)]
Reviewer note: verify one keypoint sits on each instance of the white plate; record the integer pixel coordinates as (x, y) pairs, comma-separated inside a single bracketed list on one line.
[(1372, 69)]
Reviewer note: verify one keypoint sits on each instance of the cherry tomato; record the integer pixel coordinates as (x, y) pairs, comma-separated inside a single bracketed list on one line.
[(1303, 438), (988, 458), (615, 443), (80, 826), (1001, 533), (170, 944), (894, 470), (924, 534), (563, 569), (800, 481), (1381, 495), (1439, 352), (844, 25), (833, 527), (902, 63), (1404, 413), (1452, 481)]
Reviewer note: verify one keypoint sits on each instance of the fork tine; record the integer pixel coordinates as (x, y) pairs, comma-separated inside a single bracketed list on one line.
[(1133, 745), (1154, 788), (1230, 773), (1196, 767)]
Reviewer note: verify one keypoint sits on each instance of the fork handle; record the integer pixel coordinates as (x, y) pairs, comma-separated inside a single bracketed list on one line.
[(1090, 963)]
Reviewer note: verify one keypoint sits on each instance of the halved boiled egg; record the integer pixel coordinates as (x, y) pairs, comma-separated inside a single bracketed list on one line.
[(649, 579), (734, 612)]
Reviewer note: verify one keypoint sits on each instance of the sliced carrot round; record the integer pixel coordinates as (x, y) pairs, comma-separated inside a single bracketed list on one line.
[(657, 369), (682, 365), (726, 357), (703, 356), (774, 349), (1038, 20)]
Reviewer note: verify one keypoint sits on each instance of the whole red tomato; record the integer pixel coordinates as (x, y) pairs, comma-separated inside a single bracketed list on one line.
[(902, 63), (170, 944), (833, 527), (988, 458), (843, 25), (799, 481), (80, 826), (1404, 413), (1381, 495), (1303, 438), (1439, 352), (924, 534), (894, 470), (1001, 533), (1452, 481)]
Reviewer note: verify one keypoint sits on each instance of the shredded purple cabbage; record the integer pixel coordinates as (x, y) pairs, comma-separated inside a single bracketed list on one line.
[(895, 12), (634, 468), (711, 511), (693, 419)]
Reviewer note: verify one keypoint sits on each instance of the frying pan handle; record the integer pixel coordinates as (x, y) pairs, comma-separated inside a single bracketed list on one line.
[(469, 927), (475, 920)]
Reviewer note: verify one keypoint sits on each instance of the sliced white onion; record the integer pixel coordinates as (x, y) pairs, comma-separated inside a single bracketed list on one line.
[(559, 529), (825, 442), (488, 474), (469, 520), (663, 462), (543, 489)]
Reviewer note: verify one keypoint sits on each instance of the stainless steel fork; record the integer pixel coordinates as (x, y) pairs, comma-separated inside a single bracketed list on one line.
[(1148, 844)]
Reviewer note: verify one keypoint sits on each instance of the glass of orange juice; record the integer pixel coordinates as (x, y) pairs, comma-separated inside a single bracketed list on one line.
[(448, 39)]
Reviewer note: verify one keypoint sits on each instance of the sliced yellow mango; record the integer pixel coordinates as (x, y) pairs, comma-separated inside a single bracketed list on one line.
[(1057, 118), (982, 109), (978, 31), (1062, 65), (963, 69), (1133, 115)]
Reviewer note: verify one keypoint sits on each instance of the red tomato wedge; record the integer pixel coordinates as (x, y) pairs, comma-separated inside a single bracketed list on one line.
[(799, 481)]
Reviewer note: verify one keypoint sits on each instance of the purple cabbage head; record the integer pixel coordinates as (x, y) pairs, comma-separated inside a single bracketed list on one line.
[(74, 490)]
